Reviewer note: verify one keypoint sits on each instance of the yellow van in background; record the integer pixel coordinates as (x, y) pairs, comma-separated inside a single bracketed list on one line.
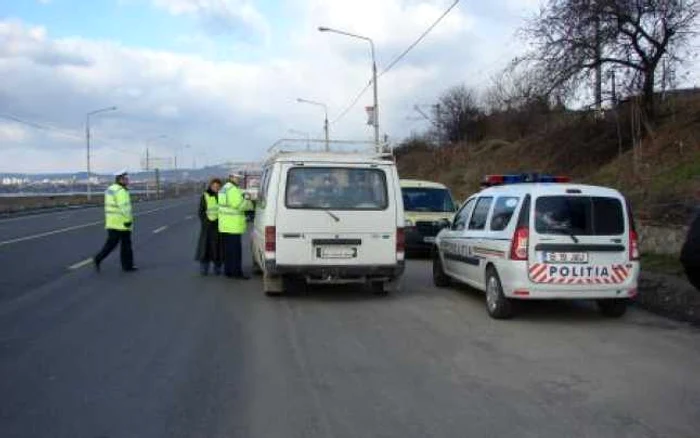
[(427, 205)]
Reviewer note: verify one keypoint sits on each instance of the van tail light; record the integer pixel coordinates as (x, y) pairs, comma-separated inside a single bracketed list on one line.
[(519, 245), (270, 239), (634, 245), (400, 240)]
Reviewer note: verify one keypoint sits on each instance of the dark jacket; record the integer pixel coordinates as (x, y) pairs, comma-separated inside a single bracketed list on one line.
[(209, 247), (690, 254)]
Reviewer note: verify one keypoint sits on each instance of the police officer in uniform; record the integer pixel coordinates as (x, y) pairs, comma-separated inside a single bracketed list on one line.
[(232, 225), (118, 222)]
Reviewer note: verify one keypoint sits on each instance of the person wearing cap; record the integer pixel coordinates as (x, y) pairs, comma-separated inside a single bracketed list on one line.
[(209, 248), (232, 225), (118, 222)]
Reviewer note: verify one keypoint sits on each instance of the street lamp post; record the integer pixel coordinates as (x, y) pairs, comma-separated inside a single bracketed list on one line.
[(375, 116), (87, 142), (325, 120), (148, 160)]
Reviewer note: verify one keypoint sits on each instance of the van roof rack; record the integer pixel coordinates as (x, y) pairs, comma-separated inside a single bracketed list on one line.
[(321, 146)]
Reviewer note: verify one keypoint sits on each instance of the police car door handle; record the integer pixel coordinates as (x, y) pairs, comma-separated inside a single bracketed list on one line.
[(616, 240)]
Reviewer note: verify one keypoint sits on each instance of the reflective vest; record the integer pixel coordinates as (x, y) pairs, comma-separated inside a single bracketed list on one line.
[(212, 207), (232, 206), (117, 208)]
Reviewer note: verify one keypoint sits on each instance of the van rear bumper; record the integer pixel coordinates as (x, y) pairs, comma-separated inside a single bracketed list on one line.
[(366, 272)]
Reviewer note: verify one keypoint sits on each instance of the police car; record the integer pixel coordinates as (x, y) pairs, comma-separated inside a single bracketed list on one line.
[(526, 237)]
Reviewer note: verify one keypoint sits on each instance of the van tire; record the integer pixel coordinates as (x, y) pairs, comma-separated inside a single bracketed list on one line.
[(379, 288), (293, 285), (613, 308), (440, 279), (497, 304)]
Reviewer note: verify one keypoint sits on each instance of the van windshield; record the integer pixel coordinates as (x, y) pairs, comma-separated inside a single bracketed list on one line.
[(579, 215), (336, 188), (419, 199)]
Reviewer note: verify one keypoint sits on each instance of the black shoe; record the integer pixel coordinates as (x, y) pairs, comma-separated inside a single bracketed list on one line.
[(96, 265), (131, 269)]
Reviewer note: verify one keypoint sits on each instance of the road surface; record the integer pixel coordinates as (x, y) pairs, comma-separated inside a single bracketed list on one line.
[(166, 353)]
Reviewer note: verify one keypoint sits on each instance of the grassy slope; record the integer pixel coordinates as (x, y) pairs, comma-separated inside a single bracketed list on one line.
[(661, 178)]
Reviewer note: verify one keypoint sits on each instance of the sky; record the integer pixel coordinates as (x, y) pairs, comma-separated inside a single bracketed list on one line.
[(211, 81)]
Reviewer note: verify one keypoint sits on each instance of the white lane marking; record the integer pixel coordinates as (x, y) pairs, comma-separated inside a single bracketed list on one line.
[(80, 264), (49, 233), (77, 227), (64, 217), (188, 217), (160, 230)]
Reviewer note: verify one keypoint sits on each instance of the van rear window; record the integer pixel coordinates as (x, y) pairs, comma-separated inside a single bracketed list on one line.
[(336, 188), (579, 215)]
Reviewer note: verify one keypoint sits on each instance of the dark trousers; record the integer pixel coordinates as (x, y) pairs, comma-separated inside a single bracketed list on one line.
[(232, 254), (114, 238)]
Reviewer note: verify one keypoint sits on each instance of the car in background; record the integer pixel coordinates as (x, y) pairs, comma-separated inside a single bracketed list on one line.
[(427, 206), (538, 237)]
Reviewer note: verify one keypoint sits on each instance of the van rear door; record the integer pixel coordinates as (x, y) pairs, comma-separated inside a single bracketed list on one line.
[(580, 239), (333, 214)]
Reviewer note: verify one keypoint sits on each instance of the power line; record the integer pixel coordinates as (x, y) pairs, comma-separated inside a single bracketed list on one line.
[(62, 132), (420, 38), (394, 62)]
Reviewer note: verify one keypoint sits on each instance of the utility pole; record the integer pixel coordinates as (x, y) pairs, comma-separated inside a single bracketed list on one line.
[(147, 176), (598, 56)]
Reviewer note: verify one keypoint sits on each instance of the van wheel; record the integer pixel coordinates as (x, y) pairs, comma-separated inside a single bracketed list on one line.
[(497, 304), (614, 308), (378, 288), (440, 279), (293, 285)]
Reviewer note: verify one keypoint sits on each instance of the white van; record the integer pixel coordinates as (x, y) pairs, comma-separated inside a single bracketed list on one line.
[(540, 237), (329, 217)]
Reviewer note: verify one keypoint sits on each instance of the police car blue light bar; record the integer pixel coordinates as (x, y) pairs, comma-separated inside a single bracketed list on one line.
[(496, 180)]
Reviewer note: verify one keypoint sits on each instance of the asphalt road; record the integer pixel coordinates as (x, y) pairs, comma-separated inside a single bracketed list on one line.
[(166, 353)]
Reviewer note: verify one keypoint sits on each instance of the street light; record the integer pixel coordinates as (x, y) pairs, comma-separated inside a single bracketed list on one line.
[(148, 159), (325, 120), (87, 141), (375, 117)]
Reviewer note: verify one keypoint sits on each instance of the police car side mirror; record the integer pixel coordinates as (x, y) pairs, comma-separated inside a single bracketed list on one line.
[(445, 223)]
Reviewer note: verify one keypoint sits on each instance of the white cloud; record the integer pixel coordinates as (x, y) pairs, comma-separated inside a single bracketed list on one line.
[(239, 17), (13, 133), (233, 110)]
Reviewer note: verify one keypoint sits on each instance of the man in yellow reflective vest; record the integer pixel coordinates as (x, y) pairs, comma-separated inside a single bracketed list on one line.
[(118, 222), (232, 225)]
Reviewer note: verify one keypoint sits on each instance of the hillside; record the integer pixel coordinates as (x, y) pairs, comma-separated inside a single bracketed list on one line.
[(660, 176)]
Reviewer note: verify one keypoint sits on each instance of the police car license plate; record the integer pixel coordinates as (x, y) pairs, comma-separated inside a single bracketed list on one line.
[(566, 257), (336, 252)]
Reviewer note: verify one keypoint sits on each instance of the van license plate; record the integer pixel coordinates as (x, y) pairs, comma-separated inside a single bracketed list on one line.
[(335, 252), (566, 257)]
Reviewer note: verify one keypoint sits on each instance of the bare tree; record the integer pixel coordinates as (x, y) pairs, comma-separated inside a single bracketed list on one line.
[(575, 40), (515, 89), (459, 114)]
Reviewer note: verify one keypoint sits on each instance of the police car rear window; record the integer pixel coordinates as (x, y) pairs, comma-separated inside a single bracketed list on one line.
[(579, 215)]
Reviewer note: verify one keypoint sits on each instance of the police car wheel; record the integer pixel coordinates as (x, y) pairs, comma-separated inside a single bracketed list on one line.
[(497, 304), (612, 308), (378, 288), (440, 279)]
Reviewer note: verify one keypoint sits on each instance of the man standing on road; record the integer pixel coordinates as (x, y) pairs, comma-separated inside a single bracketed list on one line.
[(232, 225), (118, 221)]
